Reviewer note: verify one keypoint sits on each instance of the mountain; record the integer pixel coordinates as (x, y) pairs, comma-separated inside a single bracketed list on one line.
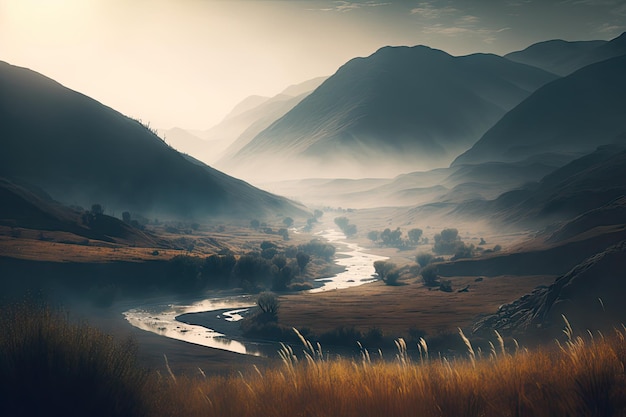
[(563, 58), (584, 184), (184, 141), (82, 152), (400, 109), (245, 120), (570, 116)]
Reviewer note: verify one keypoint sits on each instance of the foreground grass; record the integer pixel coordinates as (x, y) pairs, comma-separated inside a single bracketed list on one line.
[(583, 377), (50, 367)]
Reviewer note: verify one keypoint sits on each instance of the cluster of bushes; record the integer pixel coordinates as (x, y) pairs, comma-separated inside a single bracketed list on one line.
[(387, 271), (448, 242), (255, 224), (346, 227), (394, 238), (271, 267)]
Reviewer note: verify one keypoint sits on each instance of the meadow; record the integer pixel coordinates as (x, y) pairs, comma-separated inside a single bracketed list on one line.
[(57, 367)]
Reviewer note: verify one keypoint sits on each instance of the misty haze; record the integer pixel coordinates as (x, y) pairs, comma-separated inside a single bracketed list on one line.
[(312, 208)]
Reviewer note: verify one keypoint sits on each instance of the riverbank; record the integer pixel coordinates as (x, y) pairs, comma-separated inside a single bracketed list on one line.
[(183, 358)]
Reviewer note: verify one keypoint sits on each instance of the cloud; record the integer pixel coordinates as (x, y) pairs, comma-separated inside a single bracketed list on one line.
[(468, 19), (611, 29), (428, 11), (518, 3), (441, 29), (348, 6)]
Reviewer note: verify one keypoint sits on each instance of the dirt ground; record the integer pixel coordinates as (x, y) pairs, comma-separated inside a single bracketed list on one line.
[(396, 309)]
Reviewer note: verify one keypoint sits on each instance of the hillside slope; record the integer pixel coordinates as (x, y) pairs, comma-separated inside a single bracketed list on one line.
[(569, 117), (584, 184), (82, 152)]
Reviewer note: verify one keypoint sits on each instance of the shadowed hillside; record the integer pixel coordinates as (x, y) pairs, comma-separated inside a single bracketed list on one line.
[(82, 152), (33, 209), (584, 184), (570, 116)]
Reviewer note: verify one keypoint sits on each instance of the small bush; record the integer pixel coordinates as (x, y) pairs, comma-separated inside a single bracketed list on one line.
[(445, 286), (429, 276), (424, 259)]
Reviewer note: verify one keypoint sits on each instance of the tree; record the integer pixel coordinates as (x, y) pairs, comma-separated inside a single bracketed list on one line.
[(392, 277), (447, 242), (342, 222), (415, 235), (350, 230), (255, 224), (429, 276), (463, 251), (126, 217), (373, 235), (382, 267), (424, 259), (268, 303), (387, 271), (303, 260), (97, 210), (288, 221), (280, 261), (318, 213)]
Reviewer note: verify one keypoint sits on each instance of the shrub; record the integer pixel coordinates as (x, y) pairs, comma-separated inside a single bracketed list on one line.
[(387, 271), (303, 260), (415, 235), (445, 286), (345, 226), (463, 251), (429, 276), (373, 235), (447, 242), (424, 259)]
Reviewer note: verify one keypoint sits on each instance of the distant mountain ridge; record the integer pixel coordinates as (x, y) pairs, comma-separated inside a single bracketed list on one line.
[(569, 116), (245, 120), (563, 57), (82, 152), (416, 105), (584, 184)]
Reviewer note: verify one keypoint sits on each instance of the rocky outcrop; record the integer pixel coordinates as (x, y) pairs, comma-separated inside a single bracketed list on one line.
[(591, 296)]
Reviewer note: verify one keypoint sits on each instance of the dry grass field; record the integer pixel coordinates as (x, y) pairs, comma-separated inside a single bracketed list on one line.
[(77, 370)]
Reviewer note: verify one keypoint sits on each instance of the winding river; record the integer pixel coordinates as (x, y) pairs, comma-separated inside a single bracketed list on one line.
[(219, 330)]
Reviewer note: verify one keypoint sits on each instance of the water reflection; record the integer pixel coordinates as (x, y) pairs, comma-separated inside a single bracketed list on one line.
[(359, 266), (160, 318)]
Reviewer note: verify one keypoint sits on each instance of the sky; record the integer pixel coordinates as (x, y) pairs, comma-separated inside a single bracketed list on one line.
[(187, 63)]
